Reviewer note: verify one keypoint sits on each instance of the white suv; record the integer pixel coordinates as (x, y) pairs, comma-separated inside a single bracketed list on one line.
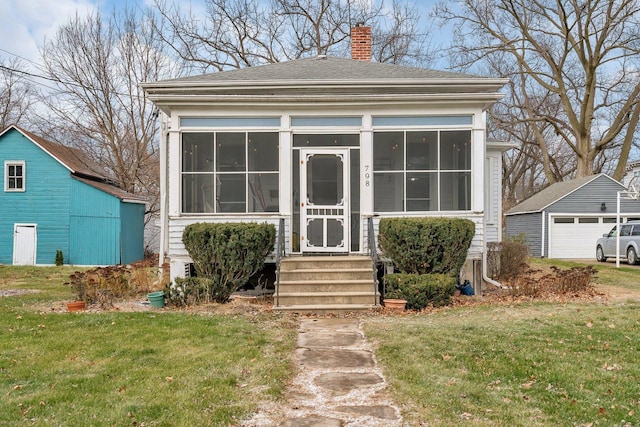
[(629, 243)]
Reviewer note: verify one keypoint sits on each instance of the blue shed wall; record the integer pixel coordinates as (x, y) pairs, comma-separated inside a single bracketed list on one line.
[(132, 232), (45, 202), (95, 226)]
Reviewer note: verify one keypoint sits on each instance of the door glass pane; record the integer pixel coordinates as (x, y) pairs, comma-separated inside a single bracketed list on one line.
[(315, 232), (325, 179), (335, 233), (230, 152)]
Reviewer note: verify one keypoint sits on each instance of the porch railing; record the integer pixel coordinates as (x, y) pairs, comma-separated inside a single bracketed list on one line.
[(373, 251), (280, 253)]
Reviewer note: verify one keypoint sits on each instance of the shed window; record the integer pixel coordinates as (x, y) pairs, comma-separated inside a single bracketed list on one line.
[(422, 171), (230, 172), (14, 176)]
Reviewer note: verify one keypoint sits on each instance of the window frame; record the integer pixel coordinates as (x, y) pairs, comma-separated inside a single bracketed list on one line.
[(7, 178), (221, 174), (438, 172)]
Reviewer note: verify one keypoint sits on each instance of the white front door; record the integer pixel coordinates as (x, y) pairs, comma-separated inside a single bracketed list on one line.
[(324, 205), (24, 244)]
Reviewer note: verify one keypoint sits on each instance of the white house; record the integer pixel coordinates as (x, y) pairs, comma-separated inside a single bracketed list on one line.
[(325, 145)]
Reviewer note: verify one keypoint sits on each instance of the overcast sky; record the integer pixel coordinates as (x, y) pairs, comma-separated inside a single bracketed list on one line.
[(24, 24)]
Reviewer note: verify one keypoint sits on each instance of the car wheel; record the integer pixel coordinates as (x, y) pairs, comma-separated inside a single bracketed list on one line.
[(600, 254), (632, 257)]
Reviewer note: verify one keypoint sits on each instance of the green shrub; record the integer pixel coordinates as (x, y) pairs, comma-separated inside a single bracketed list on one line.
[(420, 290), (426, 245), (228, 254), (59, 258)]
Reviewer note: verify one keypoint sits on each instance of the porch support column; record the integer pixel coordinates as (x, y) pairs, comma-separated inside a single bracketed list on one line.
[(478, 164), (286, 179), (174, 166), (366, 177)]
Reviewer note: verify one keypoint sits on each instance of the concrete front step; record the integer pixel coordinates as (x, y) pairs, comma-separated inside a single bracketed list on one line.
[(327, 285), (342, 283), (326, 274), (328, 308), (324, 262), (332, 298)]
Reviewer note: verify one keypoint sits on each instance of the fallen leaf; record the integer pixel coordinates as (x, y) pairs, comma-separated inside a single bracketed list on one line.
[(601, 411), (589, 325), (169, 379), (446, 357), (17, 387)]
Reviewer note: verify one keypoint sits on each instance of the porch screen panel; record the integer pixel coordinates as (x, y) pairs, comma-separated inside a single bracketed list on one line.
[(230, 172), (422, 171)]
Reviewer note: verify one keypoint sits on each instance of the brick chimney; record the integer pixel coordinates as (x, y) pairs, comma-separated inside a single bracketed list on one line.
[(361, 42)]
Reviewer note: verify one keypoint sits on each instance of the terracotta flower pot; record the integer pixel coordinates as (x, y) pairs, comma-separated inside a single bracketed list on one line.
[(76, 306), (395, 304)]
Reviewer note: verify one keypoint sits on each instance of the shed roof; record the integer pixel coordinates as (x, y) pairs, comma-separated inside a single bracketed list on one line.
[(80, 165), (553, 193)]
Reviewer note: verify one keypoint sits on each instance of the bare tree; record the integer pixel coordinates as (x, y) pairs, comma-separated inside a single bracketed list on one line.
[(244, 33), (574, 66), (16, 97), (97, 104)]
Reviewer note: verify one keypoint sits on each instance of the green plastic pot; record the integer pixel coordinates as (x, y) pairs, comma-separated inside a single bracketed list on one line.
[(156, 299)]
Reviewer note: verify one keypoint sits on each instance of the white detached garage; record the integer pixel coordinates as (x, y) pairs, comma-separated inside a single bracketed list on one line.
[(565, 219)]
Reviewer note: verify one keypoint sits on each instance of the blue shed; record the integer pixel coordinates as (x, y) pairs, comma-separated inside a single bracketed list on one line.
[(55, 198)]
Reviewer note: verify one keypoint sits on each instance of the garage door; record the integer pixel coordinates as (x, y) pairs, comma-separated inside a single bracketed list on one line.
[(575, 237)]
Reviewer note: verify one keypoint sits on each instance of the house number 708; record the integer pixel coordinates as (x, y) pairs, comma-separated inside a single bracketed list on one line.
[(367, 175)]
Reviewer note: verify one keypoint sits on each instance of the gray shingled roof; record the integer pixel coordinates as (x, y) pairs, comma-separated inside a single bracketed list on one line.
[(328, 68), (551, 194)]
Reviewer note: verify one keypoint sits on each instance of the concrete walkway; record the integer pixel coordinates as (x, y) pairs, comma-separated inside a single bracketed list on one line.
[(338, 383)]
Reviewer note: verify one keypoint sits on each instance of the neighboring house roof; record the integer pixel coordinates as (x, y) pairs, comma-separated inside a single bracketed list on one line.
[(326, 79), (81, 167), (539, 201)]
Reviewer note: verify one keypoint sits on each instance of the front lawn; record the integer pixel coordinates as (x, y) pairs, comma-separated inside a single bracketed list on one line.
[(144, 368), (511, 363), (519, 363)]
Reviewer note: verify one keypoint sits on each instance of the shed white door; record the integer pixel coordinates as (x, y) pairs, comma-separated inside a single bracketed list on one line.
[(24, 245), (575, 237)]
